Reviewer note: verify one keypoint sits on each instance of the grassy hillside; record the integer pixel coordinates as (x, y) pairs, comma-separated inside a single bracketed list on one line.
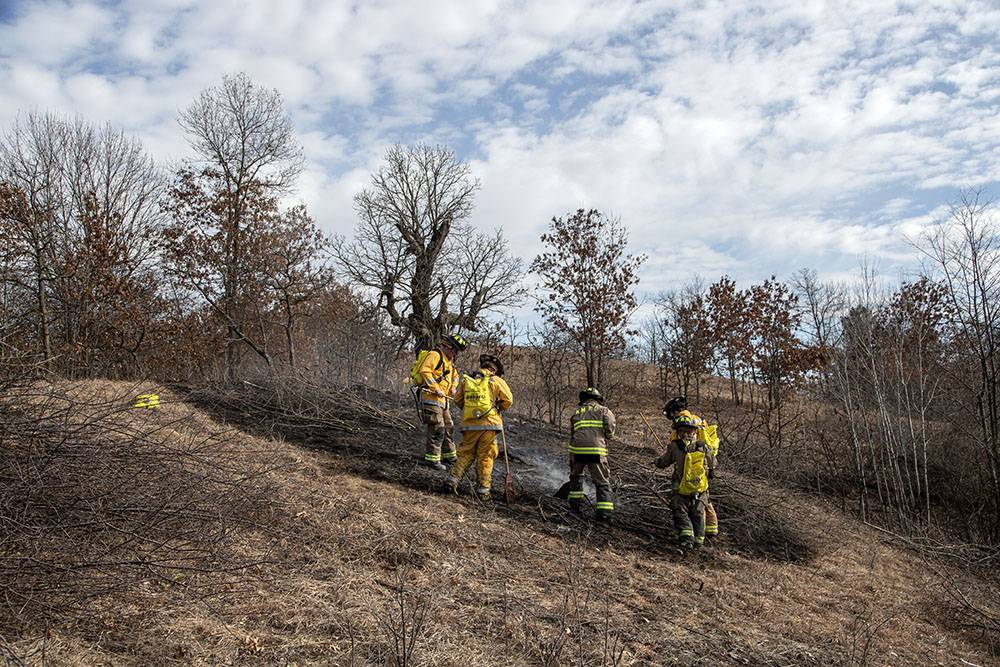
[(249, 526)]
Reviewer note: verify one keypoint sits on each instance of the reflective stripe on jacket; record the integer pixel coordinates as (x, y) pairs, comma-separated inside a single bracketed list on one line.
[(491, 421), (443, 378), (592, 425)]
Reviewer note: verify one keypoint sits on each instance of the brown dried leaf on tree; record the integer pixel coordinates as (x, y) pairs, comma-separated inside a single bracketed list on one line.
[(588, 279)]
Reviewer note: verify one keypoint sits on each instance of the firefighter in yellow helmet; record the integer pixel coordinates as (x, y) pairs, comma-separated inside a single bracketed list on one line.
[(694, 465), (592, 425), (438, 385), (482, 396), (677, 407)]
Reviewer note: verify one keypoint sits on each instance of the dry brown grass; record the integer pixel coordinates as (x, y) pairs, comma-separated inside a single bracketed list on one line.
[(335, 565)]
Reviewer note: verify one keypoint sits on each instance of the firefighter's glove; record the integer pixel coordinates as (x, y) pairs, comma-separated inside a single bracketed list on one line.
[(439, 393)]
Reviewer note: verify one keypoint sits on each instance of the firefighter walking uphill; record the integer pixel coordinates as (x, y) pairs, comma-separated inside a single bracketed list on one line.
[(694, 465)]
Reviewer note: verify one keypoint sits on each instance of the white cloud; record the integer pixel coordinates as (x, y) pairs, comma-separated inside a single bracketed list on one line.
[(740, 137), (49, 35)]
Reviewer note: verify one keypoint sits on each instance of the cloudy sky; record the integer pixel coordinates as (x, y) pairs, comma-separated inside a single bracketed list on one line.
[(737, 137)]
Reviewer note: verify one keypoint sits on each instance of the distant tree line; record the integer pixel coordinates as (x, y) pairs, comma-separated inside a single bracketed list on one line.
[(885, 398)]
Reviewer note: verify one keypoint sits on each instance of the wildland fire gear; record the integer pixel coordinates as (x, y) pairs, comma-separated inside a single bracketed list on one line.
[(674, 405), (456, 341), (494, 361), (415, 377), (707, 433), (437, 381), (149, 401), (477, 395), (688, 420), (479, 434), (591, 394), (693, 464), (591, 426)]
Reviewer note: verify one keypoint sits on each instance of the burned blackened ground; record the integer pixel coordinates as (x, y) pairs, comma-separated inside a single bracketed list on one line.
[(378, 435)]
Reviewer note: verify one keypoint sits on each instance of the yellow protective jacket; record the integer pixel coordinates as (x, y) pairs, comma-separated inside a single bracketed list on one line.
[(435, 377), (502, 399), (592, 425)]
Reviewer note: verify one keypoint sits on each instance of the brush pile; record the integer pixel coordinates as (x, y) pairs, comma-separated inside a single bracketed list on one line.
[(296, 409)]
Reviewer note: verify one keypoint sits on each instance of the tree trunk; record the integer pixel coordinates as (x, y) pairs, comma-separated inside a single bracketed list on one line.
[(43, 324)]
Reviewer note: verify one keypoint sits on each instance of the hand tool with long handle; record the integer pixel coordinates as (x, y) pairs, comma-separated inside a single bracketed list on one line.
[(508, 483), (652, 431)]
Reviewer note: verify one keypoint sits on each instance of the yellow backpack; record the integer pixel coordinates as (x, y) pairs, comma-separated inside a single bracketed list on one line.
[(415, 377), (478, 396), (710, 437), (695, 478)]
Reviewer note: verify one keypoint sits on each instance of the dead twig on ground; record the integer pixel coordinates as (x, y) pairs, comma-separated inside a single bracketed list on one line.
[(294, 408)]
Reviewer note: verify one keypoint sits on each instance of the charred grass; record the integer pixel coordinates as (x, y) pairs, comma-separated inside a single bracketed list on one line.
[(174, 536)]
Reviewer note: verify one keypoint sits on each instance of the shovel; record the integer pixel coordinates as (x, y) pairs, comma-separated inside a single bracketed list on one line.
[(653, 432), (508, 483)]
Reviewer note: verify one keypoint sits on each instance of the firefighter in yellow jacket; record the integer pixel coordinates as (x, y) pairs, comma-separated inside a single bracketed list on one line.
[(439, 379), (694, 465), (592, 425), (675, 408), (482, 396)]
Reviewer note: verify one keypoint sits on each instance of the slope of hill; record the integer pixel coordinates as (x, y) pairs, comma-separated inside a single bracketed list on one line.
[(202, 533)]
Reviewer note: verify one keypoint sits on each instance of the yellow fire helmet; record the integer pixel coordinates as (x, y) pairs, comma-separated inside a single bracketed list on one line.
[(687, 421)]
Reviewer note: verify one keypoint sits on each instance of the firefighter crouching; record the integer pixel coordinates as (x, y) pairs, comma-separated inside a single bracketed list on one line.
[(482, 396), (592, 425), (438, 383), (694, 465)]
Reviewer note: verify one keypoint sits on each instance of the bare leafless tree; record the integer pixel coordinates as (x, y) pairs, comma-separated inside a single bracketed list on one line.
[(30, 159), (242, 130), (430, 272), (963, 254), (821, 304), (653, 333), (245, 141), (551, 389)]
